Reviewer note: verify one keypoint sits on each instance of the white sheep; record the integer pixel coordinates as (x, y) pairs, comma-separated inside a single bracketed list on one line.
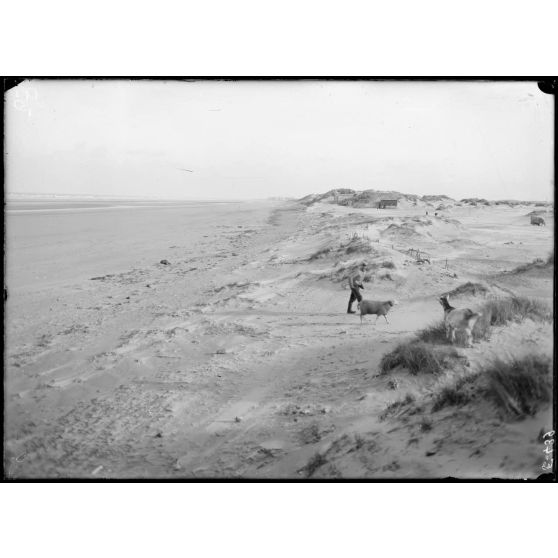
[(380, 308)]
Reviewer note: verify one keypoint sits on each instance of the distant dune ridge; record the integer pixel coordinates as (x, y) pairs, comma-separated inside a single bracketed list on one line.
[(371, 198)]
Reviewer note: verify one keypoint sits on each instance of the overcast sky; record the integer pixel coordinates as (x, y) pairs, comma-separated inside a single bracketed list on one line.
[(261, 139)]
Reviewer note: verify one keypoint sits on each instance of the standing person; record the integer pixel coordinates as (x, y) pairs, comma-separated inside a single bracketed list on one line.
[(355, 283)]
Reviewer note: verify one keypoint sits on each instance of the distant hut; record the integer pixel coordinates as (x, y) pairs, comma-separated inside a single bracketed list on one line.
[(383, 204)]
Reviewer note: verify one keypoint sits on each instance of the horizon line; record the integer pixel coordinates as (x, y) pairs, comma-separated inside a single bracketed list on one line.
[(7, 195)]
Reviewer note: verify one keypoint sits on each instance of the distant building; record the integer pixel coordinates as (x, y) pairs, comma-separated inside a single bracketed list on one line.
[(382, 204)]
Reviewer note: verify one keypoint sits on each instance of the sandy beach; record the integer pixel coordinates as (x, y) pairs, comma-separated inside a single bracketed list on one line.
[(236, 358)]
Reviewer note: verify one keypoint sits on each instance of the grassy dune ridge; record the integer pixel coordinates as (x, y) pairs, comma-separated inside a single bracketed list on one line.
[(517, 386)]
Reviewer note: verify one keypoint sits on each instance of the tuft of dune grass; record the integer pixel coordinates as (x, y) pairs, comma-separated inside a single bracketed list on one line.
[(519, 387), (435, 333), (357, 244), (498, 312), (396, 406), (425, 425), (537, 263), (320, 253), (314, 463), (417, 357), (515, 308), (469, 288), (388, 264), (457, 393)]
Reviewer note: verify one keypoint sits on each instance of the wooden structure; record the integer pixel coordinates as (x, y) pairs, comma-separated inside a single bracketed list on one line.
[(382, 204)]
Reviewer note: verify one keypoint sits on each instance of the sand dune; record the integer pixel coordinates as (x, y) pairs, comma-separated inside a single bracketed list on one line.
[(237, 358)]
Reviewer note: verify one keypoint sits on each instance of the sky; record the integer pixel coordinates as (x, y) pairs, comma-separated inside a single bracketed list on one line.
[(258, 139)]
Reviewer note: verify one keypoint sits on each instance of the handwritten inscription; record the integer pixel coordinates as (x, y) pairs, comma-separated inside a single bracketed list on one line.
[(548, 438)]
